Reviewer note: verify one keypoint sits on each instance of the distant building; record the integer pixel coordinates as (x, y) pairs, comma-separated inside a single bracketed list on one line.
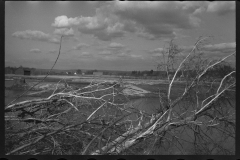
[(69, 73), (114, 73), (19, 71), (98, 73), (9, 71), (23, 71)]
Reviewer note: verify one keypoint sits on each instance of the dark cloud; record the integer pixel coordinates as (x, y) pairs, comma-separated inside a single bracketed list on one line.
[(156, 19)]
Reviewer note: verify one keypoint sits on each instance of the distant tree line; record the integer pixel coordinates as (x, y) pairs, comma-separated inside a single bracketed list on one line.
[(15, 68), (142, 73), (219, 71), (79, 71)]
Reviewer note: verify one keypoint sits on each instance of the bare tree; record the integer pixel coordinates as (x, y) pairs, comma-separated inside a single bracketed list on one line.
[(96, 119)]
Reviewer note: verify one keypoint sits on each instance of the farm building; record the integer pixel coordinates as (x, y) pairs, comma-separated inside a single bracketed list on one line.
[(98, 73), (23, 71)]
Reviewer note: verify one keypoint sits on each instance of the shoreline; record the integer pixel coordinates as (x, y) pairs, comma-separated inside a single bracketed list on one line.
[(87, 79)]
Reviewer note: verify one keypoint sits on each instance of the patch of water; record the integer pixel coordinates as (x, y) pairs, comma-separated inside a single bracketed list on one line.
[(148, 105)]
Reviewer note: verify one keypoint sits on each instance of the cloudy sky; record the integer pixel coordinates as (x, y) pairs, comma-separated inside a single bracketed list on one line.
[(113, 35)]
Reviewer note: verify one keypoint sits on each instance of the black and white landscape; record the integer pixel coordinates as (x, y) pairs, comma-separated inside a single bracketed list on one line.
[(120, 77)]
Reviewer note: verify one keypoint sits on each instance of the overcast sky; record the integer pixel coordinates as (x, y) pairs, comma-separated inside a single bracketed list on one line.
[(113, 35)]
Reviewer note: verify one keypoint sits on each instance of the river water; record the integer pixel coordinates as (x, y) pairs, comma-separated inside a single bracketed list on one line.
[(150, 105)]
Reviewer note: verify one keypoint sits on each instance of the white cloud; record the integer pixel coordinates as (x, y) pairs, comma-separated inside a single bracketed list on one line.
[(212, 51), (156, 52), (136, 56), (105, 52), (209, 51), (82, 55), (85, 53), (36, 35), (64, 21), (53, 51), (115, 49), (147, 19), (64, 31), (221, 47), (80, 46), (114, 45), (35, 50), (103, 26), (75, 39), (221, 7)]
